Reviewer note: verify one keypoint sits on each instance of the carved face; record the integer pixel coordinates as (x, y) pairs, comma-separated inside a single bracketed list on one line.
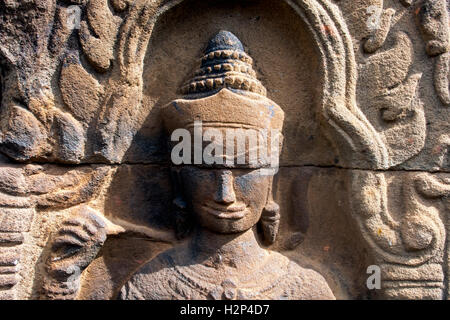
[(225, 200)]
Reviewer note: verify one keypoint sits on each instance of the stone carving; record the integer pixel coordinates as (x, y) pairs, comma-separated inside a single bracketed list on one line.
[(24, 191), (224, 260), (407, 3), (391, 99), (76, 245), (433, 20), (37, 128), (84, 168), (380, 31), (441, 74), (408, 245), (105, 25)]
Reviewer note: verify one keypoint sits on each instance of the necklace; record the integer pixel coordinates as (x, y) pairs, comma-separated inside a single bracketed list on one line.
[(228, 289)]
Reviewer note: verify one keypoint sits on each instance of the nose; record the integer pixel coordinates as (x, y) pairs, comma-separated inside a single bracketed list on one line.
[(225, 190)]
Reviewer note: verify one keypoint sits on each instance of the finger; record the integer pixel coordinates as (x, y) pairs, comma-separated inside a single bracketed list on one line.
[(74, 222), (75, 232), (96, 220), (90, 228), (65, 241)]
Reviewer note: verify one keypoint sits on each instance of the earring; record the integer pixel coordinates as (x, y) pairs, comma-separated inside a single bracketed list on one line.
[(270, 222), (183, 223)]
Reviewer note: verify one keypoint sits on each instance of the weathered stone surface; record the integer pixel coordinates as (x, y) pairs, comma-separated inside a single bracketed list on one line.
[(92, 205)]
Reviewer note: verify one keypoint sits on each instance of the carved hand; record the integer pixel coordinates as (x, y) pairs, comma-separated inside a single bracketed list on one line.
[(76, 244)]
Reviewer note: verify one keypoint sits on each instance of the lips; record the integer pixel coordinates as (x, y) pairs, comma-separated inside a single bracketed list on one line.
[(233, 212)]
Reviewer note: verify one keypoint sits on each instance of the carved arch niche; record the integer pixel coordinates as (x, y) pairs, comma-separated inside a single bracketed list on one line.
[(284, 52), (307, 64), (303, 54)]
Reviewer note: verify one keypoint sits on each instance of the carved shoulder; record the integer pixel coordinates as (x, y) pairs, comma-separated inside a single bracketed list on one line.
[(306, 284), (151, 281)]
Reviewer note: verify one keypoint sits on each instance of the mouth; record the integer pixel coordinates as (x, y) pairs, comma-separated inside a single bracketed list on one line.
[(233, 212)]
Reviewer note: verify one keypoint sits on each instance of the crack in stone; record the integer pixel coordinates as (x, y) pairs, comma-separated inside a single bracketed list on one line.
[(165, 165)]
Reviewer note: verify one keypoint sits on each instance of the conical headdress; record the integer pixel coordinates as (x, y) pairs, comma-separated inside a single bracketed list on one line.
[(224, 65), (224, 94)]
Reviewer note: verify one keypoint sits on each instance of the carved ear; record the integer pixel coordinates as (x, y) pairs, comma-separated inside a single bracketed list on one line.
[(270, 222), (182, 218)]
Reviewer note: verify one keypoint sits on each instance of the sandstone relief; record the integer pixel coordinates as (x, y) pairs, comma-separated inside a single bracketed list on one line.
[(244, 149)]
